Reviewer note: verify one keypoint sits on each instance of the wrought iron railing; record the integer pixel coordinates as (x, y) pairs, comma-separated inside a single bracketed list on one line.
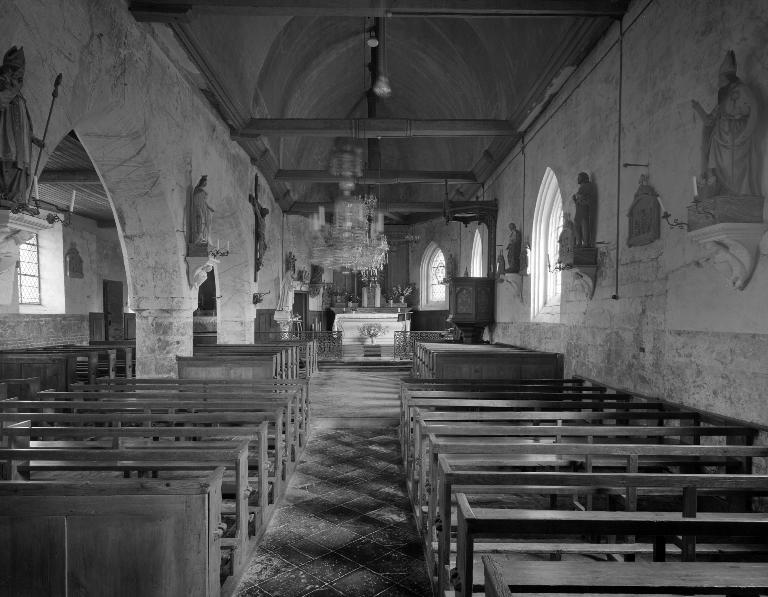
[(405, 341), (328, 343)]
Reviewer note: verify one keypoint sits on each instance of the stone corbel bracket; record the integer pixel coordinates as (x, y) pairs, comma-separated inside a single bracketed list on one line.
[(735, 246), (584, 278), (197, 270), (515, 281)]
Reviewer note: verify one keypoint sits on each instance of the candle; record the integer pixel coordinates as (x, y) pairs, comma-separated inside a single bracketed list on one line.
[(72, 203), (695, 188), (227, 246), (217, 244), (380, 222), (663, 209), (37, 190), (321, 213)]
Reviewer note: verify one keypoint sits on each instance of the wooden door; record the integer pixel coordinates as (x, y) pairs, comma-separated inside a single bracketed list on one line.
[(113, 310)]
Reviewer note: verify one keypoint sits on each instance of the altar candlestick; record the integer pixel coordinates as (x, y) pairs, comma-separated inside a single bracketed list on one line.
[(72, 203), (695, 188), (37, 190)]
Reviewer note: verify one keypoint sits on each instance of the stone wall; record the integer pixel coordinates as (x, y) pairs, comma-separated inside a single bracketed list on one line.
[(677, 329), (102, 256), (26, 331)]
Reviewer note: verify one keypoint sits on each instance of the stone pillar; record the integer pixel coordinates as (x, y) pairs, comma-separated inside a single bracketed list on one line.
[(162, 333)]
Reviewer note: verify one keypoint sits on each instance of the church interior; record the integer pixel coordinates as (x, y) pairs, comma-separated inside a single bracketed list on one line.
[(383, 298)]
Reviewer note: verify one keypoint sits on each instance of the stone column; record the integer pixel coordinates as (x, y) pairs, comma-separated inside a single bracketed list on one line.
[(162, 333)]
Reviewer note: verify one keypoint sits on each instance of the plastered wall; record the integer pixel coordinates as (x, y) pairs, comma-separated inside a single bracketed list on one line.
[(677, 329)]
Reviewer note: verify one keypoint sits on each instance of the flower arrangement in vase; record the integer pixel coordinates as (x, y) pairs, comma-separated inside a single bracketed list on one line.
[(400, 293), (371, 330)]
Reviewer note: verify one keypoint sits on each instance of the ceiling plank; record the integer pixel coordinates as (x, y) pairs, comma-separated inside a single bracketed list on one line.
[(69, 177), (375, 128), (379, 177), (395, 8)]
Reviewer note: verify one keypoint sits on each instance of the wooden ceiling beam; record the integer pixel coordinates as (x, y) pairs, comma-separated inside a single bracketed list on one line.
[(396, 208), (375, 128), (165, 10), (379, 177), (69, 177)]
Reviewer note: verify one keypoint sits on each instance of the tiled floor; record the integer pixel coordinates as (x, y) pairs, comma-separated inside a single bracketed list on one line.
[(345, 526)]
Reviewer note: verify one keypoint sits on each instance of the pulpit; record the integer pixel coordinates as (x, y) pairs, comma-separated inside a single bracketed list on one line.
[(470, 306)]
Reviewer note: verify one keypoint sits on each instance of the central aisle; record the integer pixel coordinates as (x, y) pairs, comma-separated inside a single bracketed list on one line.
[(345, 525)]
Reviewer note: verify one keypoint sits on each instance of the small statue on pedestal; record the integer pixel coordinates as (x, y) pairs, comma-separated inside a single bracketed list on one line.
[(730, 144), (514, 246), (200, 215), (585, 219), (566, 241)]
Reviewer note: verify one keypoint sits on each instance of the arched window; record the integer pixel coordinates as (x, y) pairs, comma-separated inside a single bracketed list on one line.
[(547, 225), (432, 276), (476, 266)]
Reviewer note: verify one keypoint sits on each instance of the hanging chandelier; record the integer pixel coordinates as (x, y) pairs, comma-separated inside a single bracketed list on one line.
[(354, 240)]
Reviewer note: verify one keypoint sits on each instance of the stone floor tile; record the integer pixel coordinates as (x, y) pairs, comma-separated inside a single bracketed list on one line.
[(397, 591), (325, 591), (295, 583), (335, 537), (363, 551), (291, 553), (392, 515), (361, 583), (330, 567), (263, 566), (364, 504), (312, 548), (339, 514)]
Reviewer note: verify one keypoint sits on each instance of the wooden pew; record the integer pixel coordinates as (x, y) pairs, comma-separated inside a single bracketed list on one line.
[(169, 460), (293, 422), (452, 480), (59, 538), (444, 399), (285, 357), (158, 414), (430, 424), (25, 388), (479, 361), (126, 355), (218, 386), (503, 578), (92, 358), (54, 372)]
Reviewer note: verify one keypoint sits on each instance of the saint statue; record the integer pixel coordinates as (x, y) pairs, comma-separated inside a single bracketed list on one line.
[(16, 137), (514, 245), (200, 217), (730, 156), (585, 219), (285, 300), (566, 241), (260, 233)]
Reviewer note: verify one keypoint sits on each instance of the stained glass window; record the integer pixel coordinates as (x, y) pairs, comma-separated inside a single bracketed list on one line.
[(436, 277), (29, 272)]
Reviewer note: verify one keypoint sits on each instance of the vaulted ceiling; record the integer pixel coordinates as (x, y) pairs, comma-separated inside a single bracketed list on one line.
[(458, 62)]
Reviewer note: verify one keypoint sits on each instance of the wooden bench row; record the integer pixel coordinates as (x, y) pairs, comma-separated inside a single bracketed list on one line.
[(460, 439), (176, 433)]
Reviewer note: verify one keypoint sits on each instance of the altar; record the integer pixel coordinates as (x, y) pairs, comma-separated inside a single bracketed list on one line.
[(349, 321)]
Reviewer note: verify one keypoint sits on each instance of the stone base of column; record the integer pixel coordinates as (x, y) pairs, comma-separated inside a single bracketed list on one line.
[(161, 335)]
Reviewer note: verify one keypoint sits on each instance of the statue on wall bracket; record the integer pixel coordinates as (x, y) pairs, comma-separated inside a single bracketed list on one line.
[(727, 213), (198, 236), (513, 249), (17, 136), (644, 215)]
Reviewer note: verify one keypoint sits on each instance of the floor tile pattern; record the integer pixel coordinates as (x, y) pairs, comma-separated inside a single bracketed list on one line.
[(345, 526)]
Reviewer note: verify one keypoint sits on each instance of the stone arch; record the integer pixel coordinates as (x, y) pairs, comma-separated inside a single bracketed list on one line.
[(545, 302)]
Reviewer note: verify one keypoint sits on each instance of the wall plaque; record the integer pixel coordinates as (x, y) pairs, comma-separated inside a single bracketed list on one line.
[(644, 215)]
